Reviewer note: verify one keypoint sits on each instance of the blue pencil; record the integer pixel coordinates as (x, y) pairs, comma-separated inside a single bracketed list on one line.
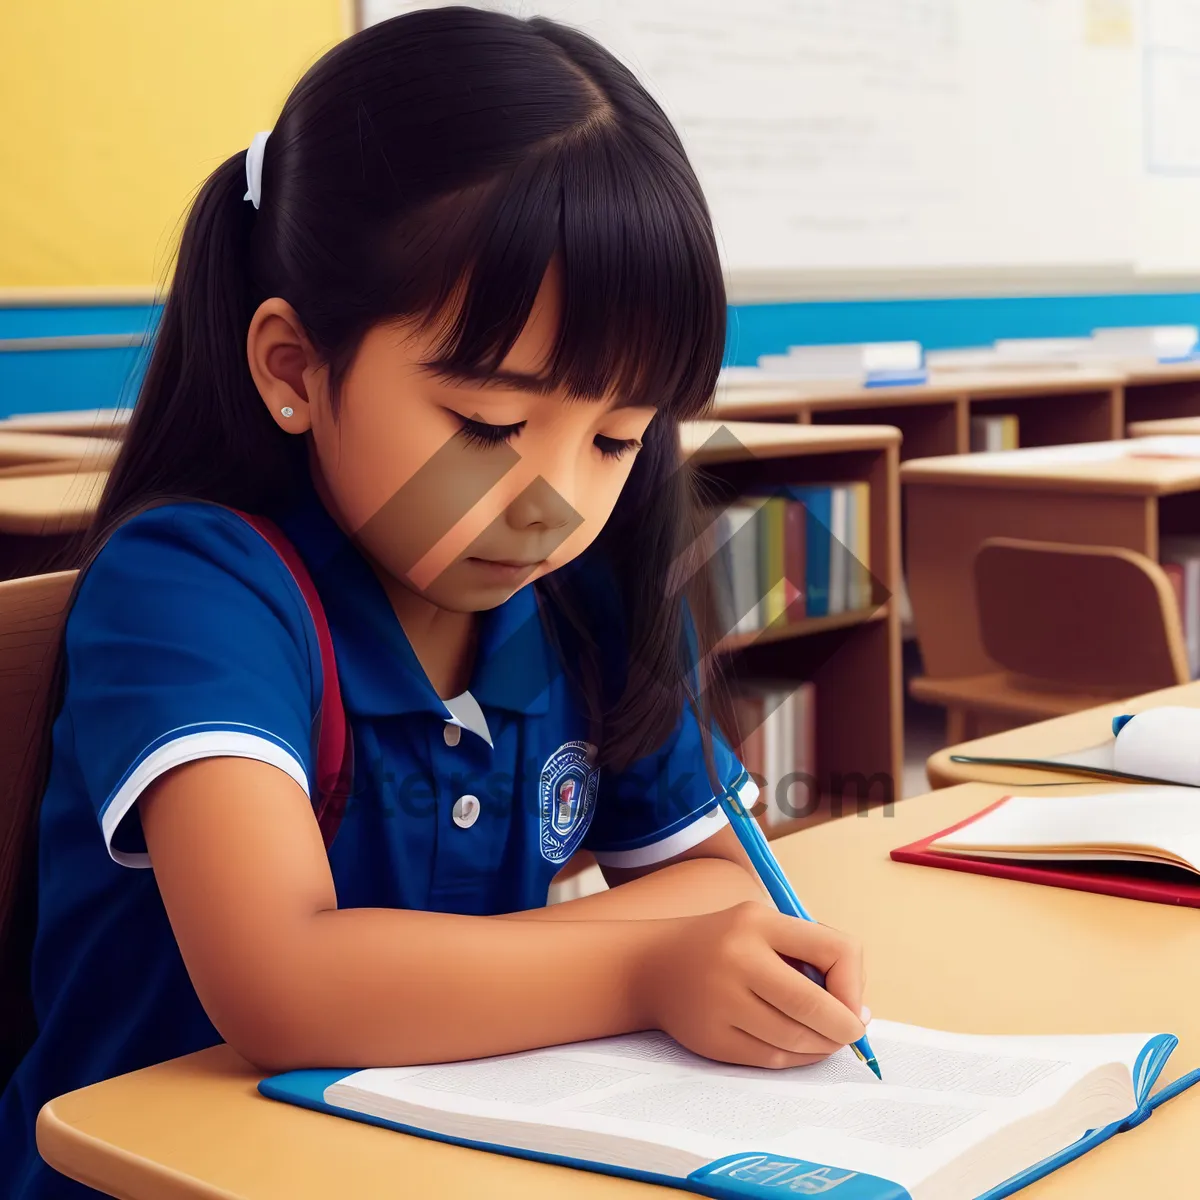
[(757, 849)]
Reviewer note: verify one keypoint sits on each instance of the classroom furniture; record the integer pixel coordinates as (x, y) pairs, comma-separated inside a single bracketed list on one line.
[(41, 513), (853, 658), (18, 447), (1052, 406), (90, 422), (1059, 735), (196, 1128), (1057, 620), (954, 504), (1158, 391), (1168, 427)]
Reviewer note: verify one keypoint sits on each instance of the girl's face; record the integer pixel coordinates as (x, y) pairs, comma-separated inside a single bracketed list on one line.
[(465, 490)]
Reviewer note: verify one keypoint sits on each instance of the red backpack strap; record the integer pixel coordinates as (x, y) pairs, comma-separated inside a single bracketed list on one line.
[(335, 745)]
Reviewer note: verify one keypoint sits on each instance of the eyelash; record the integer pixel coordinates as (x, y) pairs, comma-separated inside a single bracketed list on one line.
[(477, 433)]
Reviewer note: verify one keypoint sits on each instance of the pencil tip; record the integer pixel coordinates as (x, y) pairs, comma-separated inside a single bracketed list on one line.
[(874, 1065)]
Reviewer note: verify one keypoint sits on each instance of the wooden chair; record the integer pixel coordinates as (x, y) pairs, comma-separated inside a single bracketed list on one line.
[(32, 613), (1069, 627)]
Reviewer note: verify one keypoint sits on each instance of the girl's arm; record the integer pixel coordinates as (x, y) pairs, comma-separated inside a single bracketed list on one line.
[(292, 981), (713, 875)]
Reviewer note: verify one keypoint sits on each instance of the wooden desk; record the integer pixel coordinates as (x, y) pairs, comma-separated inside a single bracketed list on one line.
[(944, 949), (952, 504), (1154, 391), (1045, 739), (94, 422), (1053, 406), (43, 505), (1171, 426), (21, 446)]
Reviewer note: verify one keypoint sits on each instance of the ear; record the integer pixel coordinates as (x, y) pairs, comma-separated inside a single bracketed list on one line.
[(286, 370)]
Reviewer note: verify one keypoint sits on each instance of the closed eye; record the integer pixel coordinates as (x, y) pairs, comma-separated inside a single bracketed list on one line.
[(479, 433), (616, 447)]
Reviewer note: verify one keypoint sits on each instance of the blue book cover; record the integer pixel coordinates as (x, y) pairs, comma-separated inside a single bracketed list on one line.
[(818, 543), (642, 1107)]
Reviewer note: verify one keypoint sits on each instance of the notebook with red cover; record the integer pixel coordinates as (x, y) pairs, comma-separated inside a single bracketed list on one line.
[(1107, 879)]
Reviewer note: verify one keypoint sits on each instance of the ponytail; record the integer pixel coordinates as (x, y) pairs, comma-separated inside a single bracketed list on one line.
[(199, 429)]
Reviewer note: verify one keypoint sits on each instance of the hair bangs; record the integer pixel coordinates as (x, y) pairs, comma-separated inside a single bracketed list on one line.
[(642, 316)]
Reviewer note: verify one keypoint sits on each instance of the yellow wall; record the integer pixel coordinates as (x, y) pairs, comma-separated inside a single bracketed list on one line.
[(112, 112)]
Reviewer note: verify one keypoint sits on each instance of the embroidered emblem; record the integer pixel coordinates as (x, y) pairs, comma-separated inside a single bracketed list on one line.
[(567, 799)]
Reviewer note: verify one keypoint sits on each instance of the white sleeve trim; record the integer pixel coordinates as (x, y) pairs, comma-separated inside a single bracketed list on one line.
[(212, 743), (700, 830)]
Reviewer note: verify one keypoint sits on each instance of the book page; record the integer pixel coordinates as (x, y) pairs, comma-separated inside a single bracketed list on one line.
[(1152, 824), (941, 1094)]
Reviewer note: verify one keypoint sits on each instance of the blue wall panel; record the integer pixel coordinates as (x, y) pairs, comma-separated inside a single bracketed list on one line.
[(45, 381)]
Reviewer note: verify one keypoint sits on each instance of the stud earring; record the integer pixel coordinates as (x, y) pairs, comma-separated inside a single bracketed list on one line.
[(287, 412)]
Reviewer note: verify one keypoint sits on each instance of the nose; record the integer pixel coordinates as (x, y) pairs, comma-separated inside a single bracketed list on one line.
[(541, 506)]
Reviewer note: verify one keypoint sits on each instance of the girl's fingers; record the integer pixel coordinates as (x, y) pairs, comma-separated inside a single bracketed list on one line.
[(763, 1021), (795, 996), (744, 1049)]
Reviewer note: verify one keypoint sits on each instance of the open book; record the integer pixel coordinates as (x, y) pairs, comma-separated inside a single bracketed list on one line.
[(1161, 745), (1142, 844), (956, 1116)]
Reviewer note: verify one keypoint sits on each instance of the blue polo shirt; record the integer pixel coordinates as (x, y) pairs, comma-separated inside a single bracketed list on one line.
[(190, 639)]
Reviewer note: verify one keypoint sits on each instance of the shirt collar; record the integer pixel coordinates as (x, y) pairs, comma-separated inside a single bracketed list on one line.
[(378, 670)]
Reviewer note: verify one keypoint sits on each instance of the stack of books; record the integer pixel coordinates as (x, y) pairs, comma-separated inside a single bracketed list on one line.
[(869, 363), (803, 551), (778, 731), (994, 433)]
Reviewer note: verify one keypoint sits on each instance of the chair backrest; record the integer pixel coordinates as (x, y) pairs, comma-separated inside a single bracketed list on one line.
[(32, 614), (1091, 617)]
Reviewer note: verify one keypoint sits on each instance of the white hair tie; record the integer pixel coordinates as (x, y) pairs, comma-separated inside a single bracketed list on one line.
[(254, 165)]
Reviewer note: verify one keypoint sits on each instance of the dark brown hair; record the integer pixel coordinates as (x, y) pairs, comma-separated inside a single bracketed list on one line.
[(440, 160)]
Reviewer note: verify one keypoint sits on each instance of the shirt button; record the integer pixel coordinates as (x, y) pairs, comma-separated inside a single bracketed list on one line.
[(466, 811), (451, 733)]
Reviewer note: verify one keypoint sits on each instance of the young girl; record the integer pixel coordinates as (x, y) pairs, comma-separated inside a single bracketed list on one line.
[(440, 329)]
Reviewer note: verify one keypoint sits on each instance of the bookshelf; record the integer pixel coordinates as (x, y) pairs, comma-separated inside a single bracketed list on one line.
[(1053, 407), (852, 658)]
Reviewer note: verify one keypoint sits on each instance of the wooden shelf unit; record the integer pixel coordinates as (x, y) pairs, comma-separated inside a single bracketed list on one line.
[(853, 659), (1053, 407)]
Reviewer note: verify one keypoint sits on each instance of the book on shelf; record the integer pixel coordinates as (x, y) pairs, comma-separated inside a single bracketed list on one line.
[(955, 1117), (1181, 561), (797, 551), (869, 363), (777, 725), (1166, 343), (992, 433)]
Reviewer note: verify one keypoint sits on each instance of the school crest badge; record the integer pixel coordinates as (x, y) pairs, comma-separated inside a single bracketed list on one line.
[(567, 799)]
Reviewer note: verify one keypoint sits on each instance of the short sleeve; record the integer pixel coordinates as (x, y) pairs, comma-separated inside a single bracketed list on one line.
[(665, 803), (188, 639)]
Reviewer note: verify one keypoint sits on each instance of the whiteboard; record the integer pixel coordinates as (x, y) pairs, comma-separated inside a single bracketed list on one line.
[(924, 135)]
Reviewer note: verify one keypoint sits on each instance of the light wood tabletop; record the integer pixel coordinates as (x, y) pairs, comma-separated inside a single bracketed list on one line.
[(1123, 466), (776, 395), (944, 949), (1059, 735), (725, 440), (1168, 427), (93, 422), (49, 504), (27, 446)]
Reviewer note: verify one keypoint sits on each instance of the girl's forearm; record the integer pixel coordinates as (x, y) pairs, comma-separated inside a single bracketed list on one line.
[(377, 987), (686, 889)]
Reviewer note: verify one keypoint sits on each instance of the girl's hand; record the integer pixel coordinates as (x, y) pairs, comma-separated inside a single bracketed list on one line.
[(719, 985)]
